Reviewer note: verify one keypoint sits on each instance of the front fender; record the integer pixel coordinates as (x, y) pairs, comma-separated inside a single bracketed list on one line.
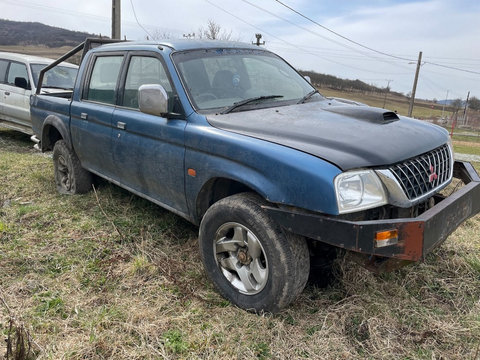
[(280, 174)]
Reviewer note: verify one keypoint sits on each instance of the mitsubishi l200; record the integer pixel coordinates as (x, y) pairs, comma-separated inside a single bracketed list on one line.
[(234, 139)]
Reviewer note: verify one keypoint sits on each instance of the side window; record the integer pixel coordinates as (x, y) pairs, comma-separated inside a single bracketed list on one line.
[(16, 70), (143, 70), (3, 70), (103, 80)]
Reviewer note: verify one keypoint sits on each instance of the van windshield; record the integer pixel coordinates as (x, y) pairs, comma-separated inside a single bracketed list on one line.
[(59, 77), (223, 79)]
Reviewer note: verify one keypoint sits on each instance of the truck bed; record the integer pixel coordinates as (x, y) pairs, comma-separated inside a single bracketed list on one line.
[(44, 105)]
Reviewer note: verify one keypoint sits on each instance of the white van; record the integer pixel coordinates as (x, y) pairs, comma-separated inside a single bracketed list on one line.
[(18, 80)]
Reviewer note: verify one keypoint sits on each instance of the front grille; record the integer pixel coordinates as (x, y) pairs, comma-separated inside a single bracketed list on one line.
[(424, 173)]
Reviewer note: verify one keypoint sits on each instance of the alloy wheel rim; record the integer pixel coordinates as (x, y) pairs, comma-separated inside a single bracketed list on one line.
[(241, 258)]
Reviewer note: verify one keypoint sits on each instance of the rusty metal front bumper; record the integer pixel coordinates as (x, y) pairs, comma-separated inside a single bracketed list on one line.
[(416, 236)]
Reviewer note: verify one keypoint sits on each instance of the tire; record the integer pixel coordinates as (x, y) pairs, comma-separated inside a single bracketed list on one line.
[(251, 260), (70, 177)]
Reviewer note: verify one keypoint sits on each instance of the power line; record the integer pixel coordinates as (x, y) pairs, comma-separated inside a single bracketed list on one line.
[(317, 34), (340, 35), (452, 67), (288, 43), (75, 13), (297, 25), (138, 22), (367, 47)]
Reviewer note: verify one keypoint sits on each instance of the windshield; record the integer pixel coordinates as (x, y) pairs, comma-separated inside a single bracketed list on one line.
[(62, 77), (219, 79)]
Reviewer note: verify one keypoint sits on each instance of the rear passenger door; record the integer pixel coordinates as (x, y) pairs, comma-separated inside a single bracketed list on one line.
[(149, 150), (17, 98), (91, 113)]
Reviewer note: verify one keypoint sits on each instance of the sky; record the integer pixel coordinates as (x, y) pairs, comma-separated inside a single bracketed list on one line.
[(378, 41)]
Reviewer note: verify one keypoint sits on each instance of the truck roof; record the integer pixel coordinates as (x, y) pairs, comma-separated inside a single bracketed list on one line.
[(182, 44)]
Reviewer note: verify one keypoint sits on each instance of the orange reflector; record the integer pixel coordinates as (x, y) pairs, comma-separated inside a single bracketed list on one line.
[(386, 238), (192, 172)]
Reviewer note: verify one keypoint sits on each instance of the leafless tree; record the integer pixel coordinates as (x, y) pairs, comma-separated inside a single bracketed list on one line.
[(159, 34), (214, 31)]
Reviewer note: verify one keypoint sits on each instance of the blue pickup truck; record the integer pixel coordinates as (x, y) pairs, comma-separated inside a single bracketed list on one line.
[(278, 177)]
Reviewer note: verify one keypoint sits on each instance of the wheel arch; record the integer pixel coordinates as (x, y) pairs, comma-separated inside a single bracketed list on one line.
[(53, 130), (216, 189)]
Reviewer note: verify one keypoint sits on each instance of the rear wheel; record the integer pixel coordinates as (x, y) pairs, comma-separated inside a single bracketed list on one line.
[(251, 260), (70, 177)]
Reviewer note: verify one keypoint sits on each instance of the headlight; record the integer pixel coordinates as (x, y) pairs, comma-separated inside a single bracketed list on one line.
[(359, 190)]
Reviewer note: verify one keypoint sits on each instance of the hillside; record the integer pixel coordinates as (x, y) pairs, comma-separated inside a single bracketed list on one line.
[(330, 81), (34, 33)]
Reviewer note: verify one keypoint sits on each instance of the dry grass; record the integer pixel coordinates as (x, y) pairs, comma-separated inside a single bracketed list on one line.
[(84, 290)]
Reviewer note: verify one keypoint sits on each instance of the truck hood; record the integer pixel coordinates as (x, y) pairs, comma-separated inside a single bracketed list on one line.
[(348, 136)]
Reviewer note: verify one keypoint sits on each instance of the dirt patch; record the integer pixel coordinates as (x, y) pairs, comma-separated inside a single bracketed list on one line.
[(467, 143)]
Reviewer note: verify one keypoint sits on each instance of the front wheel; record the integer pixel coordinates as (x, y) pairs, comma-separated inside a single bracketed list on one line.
[(70, 177), (252, 261)]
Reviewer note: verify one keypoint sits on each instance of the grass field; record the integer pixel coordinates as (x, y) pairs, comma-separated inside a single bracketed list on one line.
[(108, 275)]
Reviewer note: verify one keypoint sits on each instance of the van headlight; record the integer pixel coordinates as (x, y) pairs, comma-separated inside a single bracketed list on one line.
[(359, 190)]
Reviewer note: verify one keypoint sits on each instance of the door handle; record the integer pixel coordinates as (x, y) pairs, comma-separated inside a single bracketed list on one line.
[(84, 116), (7, 92), (121, 125)]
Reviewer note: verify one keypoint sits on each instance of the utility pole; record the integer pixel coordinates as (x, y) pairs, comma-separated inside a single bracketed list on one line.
[(465, 110), (116, 33), (386, 92), (259, 37), (443, 107), (412, 98)]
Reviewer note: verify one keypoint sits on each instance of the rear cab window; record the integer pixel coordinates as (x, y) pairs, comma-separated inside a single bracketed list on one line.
[(102, 86)]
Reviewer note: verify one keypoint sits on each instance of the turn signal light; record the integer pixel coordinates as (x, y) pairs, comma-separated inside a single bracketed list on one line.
[(386, 238)]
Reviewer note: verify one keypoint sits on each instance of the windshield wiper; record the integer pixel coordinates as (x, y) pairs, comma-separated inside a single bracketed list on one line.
[(308, 96), (248, 101)]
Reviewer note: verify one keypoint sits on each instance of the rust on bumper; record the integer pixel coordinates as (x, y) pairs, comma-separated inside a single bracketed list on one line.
[(417, 236)]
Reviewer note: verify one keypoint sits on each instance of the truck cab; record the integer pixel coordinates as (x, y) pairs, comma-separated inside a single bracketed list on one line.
[(233, 139)]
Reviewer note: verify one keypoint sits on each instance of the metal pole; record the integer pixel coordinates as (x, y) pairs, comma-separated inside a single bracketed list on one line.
[(465, 110), (116, 33), (412, 98)]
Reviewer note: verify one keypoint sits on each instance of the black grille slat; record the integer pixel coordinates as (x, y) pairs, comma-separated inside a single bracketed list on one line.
[(424, 173)]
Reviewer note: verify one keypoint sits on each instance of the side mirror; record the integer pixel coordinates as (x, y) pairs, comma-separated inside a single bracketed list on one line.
[(21, 83), (306, 77), (153, 99)]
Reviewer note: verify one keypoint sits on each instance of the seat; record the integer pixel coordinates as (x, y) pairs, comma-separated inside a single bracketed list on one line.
[(226, 84)]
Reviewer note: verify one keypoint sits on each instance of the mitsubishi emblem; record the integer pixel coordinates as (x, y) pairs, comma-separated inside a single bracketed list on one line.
[(433, 175)]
